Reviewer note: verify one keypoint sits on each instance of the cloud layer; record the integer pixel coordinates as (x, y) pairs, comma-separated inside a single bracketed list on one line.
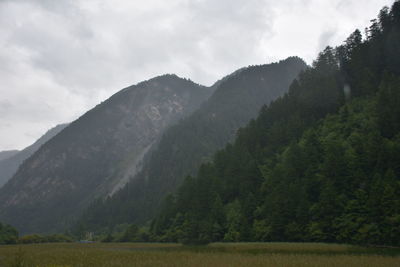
[(60, 58)]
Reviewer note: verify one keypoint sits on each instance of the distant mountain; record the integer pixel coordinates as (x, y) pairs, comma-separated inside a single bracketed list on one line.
[(10, 164), (237, 99), (7, 154), (94, 154)]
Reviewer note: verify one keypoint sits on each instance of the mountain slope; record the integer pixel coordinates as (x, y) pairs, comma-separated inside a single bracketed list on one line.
[(9, 166), (82, 161), (7, 154), (237, 99), (321, 164)]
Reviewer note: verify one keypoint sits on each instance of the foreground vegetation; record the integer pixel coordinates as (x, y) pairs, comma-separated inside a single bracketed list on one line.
[(217, 254), (8, 234)]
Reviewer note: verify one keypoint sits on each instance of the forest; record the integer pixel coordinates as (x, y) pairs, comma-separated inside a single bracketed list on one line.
[(320, 164)]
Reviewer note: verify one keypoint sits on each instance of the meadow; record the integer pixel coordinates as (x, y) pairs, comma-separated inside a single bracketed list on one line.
[(217, 254)]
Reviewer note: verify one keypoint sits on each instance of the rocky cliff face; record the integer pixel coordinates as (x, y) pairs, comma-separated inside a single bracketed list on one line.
[(95, 155), (10, 164)]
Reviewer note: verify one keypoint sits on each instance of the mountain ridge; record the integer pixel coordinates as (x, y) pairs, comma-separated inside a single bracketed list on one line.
[(70, 169), (10, 165), (5, 154), (185, 145)]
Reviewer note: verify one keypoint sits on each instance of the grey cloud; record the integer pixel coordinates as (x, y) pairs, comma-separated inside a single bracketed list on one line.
[(83, 51), (60, 58), (74, 50), (5, 107)]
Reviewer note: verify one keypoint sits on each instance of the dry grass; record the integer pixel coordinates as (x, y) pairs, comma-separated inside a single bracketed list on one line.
[(219, 254)]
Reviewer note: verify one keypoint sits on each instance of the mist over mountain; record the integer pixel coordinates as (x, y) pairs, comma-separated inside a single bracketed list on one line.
[(185, 146), (94, 154), (10, 164)]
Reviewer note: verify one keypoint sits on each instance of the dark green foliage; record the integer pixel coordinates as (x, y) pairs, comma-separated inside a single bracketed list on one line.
[(131, 234), (8, 234), (125, 233), (321, 163), (36, 238), (108, 238), (388, 106)]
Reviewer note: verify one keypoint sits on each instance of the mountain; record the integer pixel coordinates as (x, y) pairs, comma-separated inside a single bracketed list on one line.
[(184, 146), (320, 164), (92, 156), (7, 154), (9, 165)]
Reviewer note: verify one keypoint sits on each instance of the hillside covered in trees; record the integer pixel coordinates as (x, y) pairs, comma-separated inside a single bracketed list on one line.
[(184, 146), (321, 163)]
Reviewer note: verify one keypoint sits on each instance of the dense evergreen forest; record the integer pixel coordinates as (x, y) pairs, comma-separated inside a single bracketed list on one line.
[(321, 163)]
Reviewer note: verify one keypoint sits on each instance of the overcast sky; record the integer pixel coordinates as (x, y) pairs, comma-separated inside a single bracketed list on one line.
[(59, 58)]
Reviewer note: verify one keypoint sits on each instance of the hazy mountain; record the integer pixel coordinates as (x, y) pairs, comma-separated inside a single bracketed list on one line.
[(7, 154), (237, 99), (9, 165), (95, 153)]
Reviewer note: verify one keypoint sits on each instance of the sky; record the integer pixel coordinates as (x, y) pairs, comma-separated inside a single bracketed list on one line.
[(59, 59)]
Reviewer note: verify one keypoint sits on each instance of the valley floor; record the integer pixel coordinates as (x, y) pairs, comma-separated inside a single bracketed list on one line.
[(218, 254)]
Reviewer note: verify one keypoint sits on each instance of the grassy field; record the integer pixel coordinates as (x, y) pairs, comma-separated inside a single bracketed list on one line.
[(219, 254)]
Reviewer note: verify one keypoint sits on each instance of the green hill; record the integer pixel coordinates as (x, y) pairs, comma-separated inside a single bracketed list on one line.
[(321, 163)]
